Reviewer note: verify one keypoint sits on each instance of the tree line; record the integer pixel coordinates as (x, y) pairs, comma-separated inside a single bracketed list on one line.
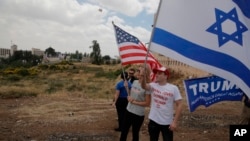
[(22, 58)]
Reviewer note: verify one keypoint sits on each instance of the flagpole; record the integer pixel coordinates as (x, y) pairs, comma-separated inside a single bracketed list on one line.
[(149, 44), (154, 27), (123, 72)]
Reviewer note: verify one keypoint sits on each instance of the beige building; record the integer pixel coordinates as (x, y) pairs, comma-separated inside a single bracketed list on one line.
[(37, 52), (6, 53)]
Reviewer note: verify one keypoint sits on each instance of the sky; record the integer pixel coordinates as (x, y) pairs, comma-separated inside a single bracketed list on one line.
[(71, 25)]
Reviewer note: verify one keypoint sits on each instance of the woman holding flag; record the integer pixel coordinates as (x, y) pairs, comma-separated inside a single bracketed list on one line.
[(138, 100), (120, 98)]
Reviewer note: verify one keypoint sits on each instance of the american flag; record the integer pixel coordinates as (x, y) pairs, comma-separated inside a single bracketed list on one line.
[(132, 50)]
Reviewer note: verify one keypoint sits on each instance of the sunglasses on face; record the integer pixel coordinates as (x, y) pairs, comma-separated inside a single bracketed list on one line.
[(131, 73)]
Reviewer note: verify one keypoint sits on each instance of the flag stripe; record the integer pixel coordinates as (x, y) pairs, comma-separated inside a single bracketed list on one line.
[(133, 54), (131, 50), (128, 61), (201, 54), (244, 6), (127, 47), (139, 58)]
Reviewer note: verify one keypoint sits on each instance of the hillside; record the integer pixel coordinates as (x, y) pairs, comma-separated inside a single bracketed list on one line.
[(72, 102)]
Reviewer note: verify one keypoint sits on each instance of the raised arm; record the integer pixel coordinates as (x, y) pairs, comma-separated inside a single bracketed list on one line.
[(145, 73)]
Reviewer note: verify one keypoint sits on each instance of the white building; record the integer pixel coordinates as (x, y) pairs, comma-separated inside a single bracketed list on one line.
[(6, 53)]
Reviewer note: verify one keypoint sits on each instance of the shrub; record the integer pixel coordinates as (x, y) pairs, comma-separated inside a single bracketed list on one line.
[(92, 69), (22, 72), (43, 67), (17, 93), (33, 71), (74, 87), (65, 63), (9, 71), (109, 75), (53, 67), (13, 78)]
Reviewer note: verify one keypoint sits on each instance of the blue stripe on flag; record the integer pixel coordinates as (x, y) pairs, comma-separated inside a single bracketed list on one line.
[(244, 5), (201, 54)]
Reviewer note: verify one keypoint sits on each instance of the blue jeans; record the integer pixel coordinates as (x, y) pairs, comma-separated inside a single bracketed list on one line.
[(154, 130)]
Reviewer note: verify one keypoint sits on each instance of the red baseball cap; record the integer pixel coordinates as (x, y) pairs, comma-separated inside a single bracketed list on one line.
[(162, 69)]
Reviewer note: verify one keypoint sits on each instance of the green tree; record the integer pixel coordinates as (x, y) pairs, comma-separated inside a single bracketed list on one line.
[(106, 59), (50, 52), (95, 55), (22, 59), (85, 54), (77, 56)]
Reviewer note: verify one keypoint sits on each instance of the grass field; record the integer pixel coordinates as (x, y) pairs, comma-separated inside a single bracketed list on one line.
[(87, 80)]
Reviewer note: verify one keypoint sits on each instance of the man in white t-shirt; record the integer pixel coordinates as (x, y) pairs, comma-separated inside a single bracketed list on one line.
[(164, 95)]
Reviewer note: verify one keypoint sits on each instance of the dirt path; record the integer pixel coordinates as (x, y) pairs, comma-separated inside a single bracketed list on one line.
[(68, 118)]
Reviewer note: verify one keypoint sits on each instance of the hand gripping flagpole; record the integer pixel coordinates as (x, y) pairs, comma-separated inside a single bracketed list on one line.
[(125, 79)]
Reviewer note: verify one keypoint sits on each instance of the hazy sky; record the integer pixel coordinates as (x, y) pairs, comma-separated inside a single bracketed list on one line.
[(72, 25)]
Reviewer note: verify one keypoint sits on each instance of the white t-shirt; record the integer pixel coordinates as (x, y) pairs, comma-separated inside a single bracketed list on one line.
[(162, 102)]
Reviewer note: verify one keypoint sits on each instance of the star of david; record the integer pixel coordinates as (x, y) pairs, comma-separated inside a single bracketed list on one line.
[(223, 37)]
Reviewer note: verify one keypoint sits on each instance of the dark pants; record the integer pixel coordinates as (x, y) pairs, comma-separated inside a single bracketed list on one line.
[(136, 122), (121, 105), (154, 130)]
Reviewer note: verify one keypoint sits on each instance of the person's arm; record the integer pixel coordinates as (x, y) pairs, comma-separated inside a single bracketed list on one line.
[(178, 111), (117, 92), (127, 86), (144, 85), (142, 103)]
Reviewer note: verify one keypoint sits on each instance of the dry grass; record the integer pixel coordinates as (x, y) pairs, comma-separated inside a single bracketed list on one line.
[(84, 80), (80, 80), (17, 92)]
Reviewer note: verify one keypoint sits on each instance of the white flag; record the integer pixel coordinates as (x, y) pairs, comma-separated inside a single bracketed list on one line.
[(212, 35)]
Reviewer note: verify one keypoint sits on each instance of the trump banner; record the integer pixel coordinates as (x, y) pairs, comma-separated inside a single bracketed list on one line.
[(212, 35), (209, 90)]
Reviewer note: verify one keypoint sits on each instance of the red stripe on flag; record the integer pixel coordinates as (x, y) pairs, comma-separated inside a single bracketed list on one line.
[(133, 51), (134, 55), (122, 48), (137, 61)]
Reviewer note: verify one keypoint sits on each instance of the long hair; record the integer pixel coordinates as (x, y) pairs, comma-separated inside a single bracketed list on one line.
[(147, 72)]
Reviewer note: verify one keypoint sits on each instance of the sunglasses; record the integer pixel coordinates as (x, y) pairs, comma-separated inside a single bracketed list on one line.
[(131, 73)]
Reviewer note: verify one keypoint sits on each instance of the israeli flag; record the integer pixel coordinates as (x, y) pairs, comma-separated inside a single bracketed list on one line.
[(212, 35)]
